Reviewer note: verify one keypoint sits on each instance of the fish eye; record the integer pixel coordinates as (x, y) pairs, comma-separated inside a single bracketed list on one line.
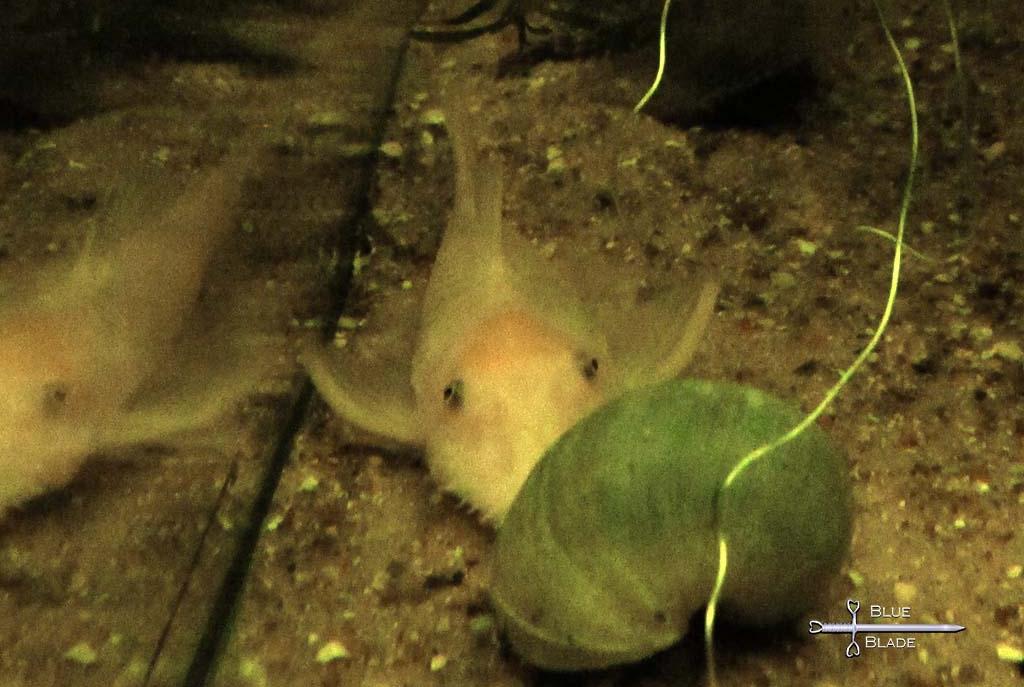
[(55, 396), (590, 368), (453, 394)]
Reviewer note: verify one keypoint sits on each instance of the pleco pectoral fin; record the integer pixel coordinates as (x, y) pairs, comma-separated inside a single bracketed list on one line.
[(383, 405), (690, 334), (656, 340), (194, 390)]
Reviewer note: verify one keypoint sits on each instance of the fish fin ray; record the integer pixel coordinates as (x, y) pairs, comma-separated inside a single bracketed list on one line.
[(386, 409), (641, 354)]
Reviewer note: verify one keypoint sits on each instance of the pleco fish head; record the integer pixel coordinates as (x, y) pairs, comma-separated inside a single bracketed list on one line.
[(44, 436), (515, 386)]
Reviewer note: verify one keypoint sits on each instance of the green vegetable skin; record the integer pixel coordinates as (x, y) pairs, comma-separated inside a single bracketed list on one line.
[(610, 547)]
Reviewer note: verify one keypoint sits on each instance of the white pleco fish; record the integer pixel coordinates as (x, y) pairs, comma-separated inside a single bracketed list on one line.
[(80, 346), (508, 356)]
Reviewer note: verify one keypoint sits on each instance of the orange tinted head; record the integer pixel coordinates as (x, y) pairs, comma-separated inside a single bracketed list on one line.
[(515, 386)]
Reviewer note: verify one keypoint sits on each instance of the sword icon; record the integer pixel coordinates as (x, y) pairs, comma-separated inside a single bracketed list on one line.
[(853, 650)]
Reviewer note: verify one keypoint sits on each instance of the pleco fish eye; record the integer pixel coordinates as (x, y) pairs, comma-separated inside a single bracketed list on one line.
[(453, 394), (590, 368), (55, 395)]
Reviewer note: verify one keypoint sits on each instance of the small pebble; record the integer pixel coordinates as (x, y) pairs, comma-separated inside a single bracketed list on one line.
[(81, 653), (994, 151), (349, 323), (392, 149), (981, 332), (433, 117), (329, 120), (905, 593), (481, 625), (252, 672), (782, 280), (1007, 350), (807, 248), (380, 581), (331, 651), (556, 162), (1007, 652)]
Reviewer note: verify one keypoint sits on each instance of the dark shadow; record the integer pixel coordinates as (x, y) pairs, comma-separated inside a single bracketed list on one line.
[(729, 64), (773, 104), (141, 31), (683, 664), (18, 116), (51, 63)]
